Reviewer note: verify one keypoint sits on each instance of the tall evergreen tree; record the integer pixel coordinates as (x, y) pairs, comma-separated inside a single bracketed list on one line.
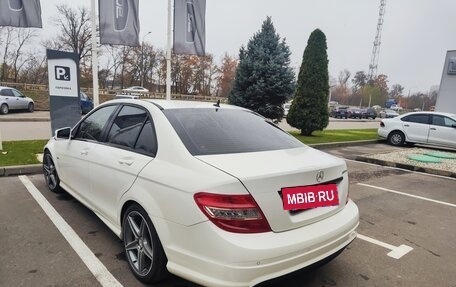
[(309, 110), (264, 79)]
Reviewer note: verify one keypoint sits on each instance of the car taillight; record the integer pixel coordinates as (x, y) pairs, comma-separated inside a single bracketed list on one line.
[(382, 124), (348, 195), (233, 213)]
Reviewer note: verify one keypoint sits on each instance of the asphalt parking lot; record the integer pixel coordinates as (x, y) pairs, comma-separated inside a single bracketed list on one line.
[(407, 235)]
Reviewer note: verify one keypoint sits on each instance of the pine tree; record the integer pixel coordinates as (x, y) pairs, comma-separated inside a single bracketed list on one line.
[(264, 79), (309, 110)]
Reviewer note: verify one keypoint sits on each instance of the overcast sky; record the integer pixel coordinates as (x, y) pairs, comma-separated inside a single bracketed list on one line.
[(416, 33)]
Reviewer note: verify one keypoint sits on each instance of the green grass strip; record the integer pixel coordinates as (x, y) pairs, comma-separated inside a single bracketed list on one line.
[(21, 152), (331, 136)]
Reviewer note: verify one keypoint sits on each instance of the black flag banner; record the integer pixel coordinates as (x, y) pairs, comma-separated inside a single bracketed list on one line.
[(119, 22), (20, 13), (190, 27)]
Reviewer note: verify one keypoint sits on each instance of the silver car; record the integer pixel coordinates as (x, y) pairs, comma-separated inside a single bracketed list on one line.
[(12, 99)]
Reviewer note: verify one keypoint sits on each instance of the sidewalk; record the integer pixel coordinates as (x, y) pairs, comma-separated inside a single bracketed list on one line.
[(37, 116)]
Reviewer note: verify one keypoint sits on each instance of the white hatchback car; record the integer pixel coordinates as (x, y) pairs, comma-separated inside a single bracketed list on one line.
[(12, 99), (135, 89), (432, 128), (213, 193)]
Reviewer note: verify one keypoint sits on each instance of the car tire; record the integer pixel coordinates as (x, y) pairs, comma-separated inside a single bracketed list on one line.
[(31, 108), (396, 138), (4, 109), (50, 173), (141, 241)]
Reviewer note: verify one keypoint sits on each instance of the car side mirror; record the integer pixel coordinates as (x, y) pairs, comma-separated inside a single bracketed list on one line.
[(63, 133)]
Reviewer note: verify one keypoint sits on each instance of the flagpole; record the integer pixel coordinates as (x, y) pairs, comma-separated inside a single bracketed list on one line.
[(96, 101), (168, 54)]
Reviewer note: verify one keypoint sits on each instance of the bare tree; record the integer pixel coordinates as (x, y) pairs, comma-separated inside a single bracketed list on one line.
[(75, 30), (8, 40), (35, 70), (125, 53), (24, 36), (150, 63), (343, 77)]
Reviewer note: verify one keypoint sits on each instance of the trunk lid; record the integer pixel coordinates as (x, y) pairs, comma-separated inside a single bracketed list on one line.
[(264, 174)]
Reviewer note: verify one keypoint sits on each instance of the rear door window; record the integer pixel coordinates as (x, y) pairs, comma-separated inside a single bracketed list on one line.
[(147, 141)]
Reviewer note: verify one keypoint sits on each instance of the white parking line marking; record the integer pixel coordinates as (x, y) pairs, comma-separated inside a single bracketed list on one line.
[(409, 195), (396, 251), (95, 266)]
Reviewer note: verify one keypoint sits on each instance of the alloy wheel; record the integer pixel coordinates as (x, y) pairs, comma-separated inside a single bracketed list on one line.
[(396, 139), (4, 109), (138, 243), (50, 173)]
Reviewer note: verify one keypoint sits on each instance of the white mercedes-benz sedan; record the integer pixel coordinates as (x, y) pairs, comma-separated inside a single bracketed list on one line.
[(213, 193)]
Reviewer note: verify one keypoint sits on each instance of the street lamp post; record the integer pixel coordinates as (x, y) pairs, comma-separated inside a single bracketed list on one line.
[(141, 74)]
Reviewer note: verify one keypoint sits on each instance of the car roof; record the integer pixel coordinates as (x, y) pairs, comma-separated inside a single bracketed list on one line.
[(432, 113), (177, 104)]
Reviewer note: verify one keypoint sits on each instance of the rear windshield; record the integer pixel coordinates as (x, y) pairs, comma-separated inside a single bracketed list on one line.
[(224, 131)]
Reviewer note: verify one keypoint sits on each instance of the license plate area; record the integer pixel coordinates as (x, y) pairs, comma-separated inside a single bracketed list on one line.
[(301, 198)]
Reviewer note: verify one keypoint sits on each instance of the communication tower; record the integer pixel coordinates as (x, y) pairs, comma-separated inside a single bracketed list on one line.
[(378, 37)]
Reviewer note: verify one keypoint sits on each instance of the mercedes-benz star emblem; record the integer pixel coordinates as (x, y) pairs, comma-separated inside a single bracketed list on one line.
[(320, 176)]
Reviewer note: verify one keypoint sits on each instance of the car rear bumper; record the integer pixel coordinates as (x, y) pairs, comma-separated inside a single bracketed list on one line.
[(210, 256), (382, 133)]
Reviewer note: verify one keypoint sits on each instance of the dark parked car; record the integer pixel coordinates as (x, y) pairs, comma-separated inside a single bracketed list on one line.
[(339, 112), (86, 103), (354, 113), (369, 114)]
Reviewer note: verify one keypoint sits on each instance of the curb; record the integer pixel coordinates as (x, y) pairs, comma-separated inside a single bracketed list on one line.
[(344, 144), (407, 166), (24, 119), (21, 170)]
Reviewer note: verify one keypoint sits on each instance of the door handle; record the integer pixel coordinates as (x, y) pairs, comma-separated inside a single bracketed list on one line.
[(433, 129), (126, 161), (84, 152), (406, 125)]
